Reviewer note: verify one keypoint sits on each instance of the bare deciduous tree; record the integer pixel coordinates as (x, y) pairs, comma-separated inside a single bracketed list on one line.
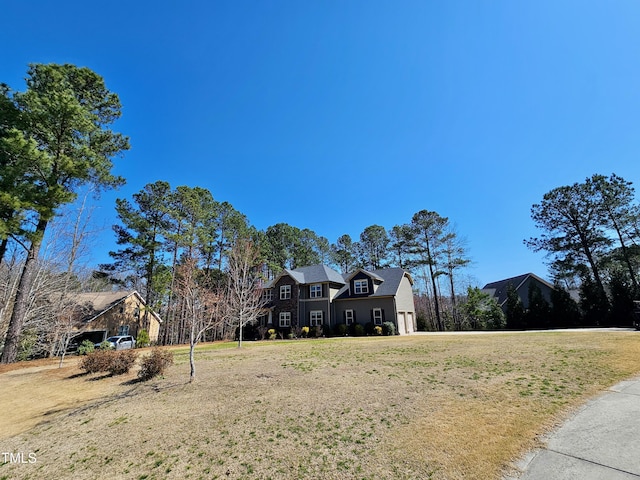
[(243, 299), (202, 305)]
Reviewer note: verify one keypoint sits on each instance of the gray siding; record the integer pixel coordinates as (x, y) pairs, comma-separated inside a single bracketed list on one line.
[(310, 305), (523, 291), (363, 307)]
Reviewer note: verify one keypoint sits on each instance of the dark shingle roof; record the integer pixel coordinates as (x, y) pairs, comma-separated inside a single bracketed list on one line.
[(319, 274), (499, 289), (311, 274), (390, 282)]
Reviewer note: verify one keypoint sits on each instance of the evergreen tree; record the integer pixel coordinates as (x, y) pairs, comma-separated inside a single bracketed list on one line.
[(565, 312), (622, 295), (573, 231), (593, 303), (429, 232), (373, 247), (480, 311), (143, 233), (538, 315), (63, 143), (515, 312), (344, 253)]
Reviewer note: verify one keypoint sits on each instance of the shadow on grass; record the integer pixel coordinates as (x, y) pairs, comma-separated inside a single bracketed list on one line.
[(133, 381), (100, 377)]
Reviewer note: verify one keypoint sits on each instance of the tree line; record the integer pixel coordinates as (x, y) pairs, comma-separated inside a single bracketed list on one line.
[(199, 262), (57, 143), (162, 228), (591, 234)]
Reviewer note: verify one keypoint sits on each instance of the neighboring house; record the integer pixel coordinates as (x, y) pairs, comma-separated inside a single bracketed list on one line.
[(521, 284), (104, 314), (318, 295)]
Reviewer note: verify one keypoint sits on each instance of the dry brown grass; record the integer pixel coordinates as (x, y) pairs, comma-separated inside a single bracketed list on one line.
[(403, 407)]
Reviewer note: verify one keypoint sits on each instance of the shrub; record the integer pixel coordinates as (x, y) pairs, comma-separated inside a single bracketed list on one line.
[(316, 331), (86, 347), (341, 329), (249, 332), (143, 340), (305, 331), (114, 362), (105, 345), (122, 361), (272, 333), (27, 345), (388, 328), (377, 330), (95, 362), (155, 364), (369, 328), (358, 330), (422, 323)]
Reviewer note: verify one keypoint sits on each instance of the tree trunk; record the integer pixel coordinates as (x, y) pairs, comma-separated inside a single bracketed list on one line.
[(595, 270), (192, 362), (625, 254), (436, 303), (10, 351), (3, 248), (454, 312)]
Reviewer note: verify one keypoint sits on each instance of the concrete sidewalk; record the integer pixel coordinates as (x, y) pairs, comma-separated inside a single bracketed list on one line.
[(601, 441)]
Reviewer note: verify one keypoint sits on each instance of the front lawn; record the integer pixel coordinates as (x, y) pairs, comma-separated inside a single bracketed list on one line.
[(363, 408)]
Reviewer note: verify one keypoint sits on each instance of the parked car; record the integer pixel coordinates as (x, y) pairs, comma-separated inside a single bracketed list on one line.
[(120, 342)]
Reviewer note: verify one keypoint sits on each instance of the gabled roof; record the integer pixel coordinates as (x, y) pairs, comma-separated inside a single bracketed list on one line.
[(311, 274), (366, 272), (97, 303), (499, 289), (390, 279)]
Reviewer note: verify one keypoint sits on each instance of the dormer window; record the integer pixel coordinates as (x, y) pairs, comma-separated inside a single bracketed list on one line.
[(285, 292), (315, 291), (360, 286)]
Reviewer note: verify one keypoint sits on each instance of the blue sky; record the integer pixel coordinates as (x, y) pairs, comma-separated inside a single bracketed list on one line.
[(335, 116)]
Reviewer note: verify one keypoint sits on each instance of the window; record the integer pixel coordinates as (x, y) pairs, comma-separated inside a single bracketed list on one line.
[(360, 286), (315, 291), (123, 330), (285, 292), (348, 317), (377, 316), (285, 319), (316, 318), (267, 295), (263, 320)]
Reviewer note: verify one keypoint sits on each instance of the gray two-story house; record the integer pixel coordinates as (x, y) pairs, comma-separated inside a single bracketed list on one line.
[(378, 296), (318, 295)]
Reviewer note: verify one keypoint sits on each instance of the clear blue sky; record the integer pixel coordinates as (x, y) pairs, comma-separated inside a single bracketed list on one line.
[(337, 115)]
